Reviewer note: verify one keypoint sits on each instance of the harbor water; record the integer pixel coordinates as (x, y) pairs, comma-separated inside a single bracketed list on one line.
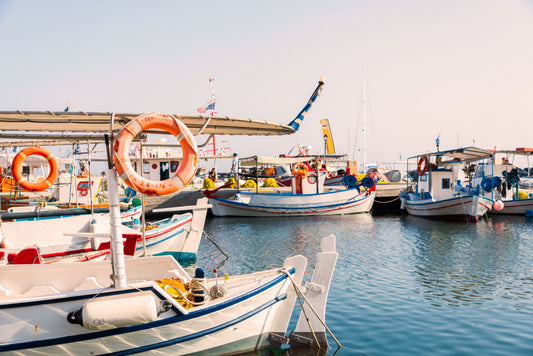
[(403, 285)]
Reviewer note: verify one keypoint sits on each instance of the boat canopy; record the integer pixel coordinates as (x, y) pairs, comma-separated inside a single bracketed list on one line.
[(102, 122), (278, 161), (522, 151), (467, 154)]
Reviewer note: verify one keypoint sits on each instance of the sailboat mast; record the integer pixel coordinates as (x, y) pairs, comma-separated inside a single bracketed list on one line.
[(364, 121)]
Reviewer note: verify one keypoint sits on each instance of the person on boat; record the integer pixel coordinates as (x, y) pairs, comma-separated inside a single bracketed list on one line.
[(213, 175), (235, 167)]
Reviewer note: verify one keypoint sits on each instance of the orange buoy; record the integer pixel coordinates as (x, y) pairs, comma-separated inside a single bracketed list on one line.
[(421, 169), (170, 124), (300, 170), (43, 184)]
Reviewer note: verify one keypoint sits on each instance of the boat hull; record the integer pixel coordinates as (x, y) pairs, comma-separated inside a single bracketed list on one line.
[(258, 304), (272, 204), (178, 236), (466, 208), (515, 207)]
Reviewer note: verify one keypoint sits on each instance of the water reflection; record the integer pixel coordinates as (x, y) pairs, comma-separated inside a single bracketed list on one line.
[(457, 264)]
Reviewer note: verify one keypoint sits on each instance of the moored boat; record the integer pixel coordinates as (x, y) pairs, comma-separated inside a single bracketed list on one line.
[(501, 179), (307, 197), (439, 191)]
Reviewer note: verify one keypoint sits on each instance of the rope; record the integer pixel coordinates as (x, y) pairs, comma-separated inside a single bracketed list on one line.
[(195, 284), (214, 243), (310, 306), (388, 201)]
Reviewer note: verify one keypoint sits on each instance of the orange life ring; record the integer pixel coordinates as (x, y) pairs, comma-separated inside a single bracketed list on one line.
[(300, 170), (43, 184), (422, 170), (170, 124)]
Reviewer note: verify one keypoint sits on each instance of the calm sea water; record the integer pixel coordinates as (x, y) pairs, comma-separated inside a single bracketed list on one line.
[(403, 285)]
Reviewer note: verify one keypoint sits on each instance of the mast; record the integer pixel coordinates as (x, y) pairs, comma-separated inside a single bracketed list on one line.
[(211, 108), (364, 121)]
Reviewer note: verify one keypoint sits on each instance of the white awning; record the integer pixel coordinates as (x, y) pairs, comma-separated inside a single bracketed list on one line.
[(100, 122), (467, 154), (278, 161)]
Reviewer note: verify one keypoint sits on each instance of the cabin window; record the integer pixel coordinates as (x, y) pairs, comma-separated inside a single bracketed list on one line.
[(446, 183), (83, 185), (146, 167), (424, 178), (174, 166)]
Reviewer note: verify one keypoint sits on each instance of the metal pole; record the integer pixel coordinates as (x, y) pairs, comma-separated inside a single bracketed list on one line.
[(90, 175), (143, 219), (117, 246)]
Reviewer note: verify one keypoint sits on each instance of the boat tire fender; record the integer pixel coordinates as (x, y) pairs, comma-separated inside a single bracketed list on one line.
[(367, 182), (349, 180)]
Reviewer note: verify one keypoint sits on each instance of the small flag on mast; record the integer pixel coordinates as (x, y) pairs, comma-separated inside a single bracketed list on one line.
[(211, 106)]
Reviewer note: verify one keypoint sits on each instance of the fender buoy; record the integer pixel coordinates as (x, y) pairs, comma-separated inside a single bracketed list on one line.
[(300, 170), (84, 192), (422, 169), (170, 124), (41, 185), (498, 205)]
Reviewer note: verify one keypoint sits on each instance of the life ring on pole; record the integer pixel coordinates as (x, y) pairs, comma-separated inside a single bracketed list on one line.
[(312, 178), (42, 184), (300, 170), (170, 124), (422, 169)]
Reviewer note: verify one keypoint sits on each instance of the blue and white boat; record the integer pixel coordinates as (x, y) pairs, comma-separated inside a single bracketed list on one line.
[(439, 191), (502, 180), (307, 197)]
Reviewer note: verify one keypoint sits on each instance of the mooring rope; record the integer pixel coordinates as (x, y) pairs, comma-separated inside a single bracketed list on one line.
[(310, 306)]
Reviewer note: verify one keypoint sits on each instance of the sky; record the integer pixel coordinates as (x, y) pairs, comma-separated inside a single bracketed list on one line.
[(458, 70)]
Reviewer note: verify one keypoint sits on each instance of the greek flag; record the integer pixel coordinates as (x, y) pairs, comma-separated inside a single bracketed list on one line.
[(211, 106)]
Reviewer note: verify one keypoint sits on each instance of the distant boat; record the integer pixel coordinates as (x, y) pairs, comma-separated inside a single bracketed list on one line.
[(439, 191), (502, 180), (307, 196)]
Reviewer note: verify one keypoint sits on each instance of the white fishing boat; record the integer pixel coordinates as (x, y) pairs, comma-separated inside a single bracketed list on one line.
[(439, 191), (60, 309), (307, 196), (500, 179), (151, 303), (69, 238)]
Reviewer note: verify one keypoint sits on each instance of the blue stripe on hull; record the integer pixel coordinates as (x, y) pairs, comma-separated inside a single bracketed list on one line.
[(179, 256)]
